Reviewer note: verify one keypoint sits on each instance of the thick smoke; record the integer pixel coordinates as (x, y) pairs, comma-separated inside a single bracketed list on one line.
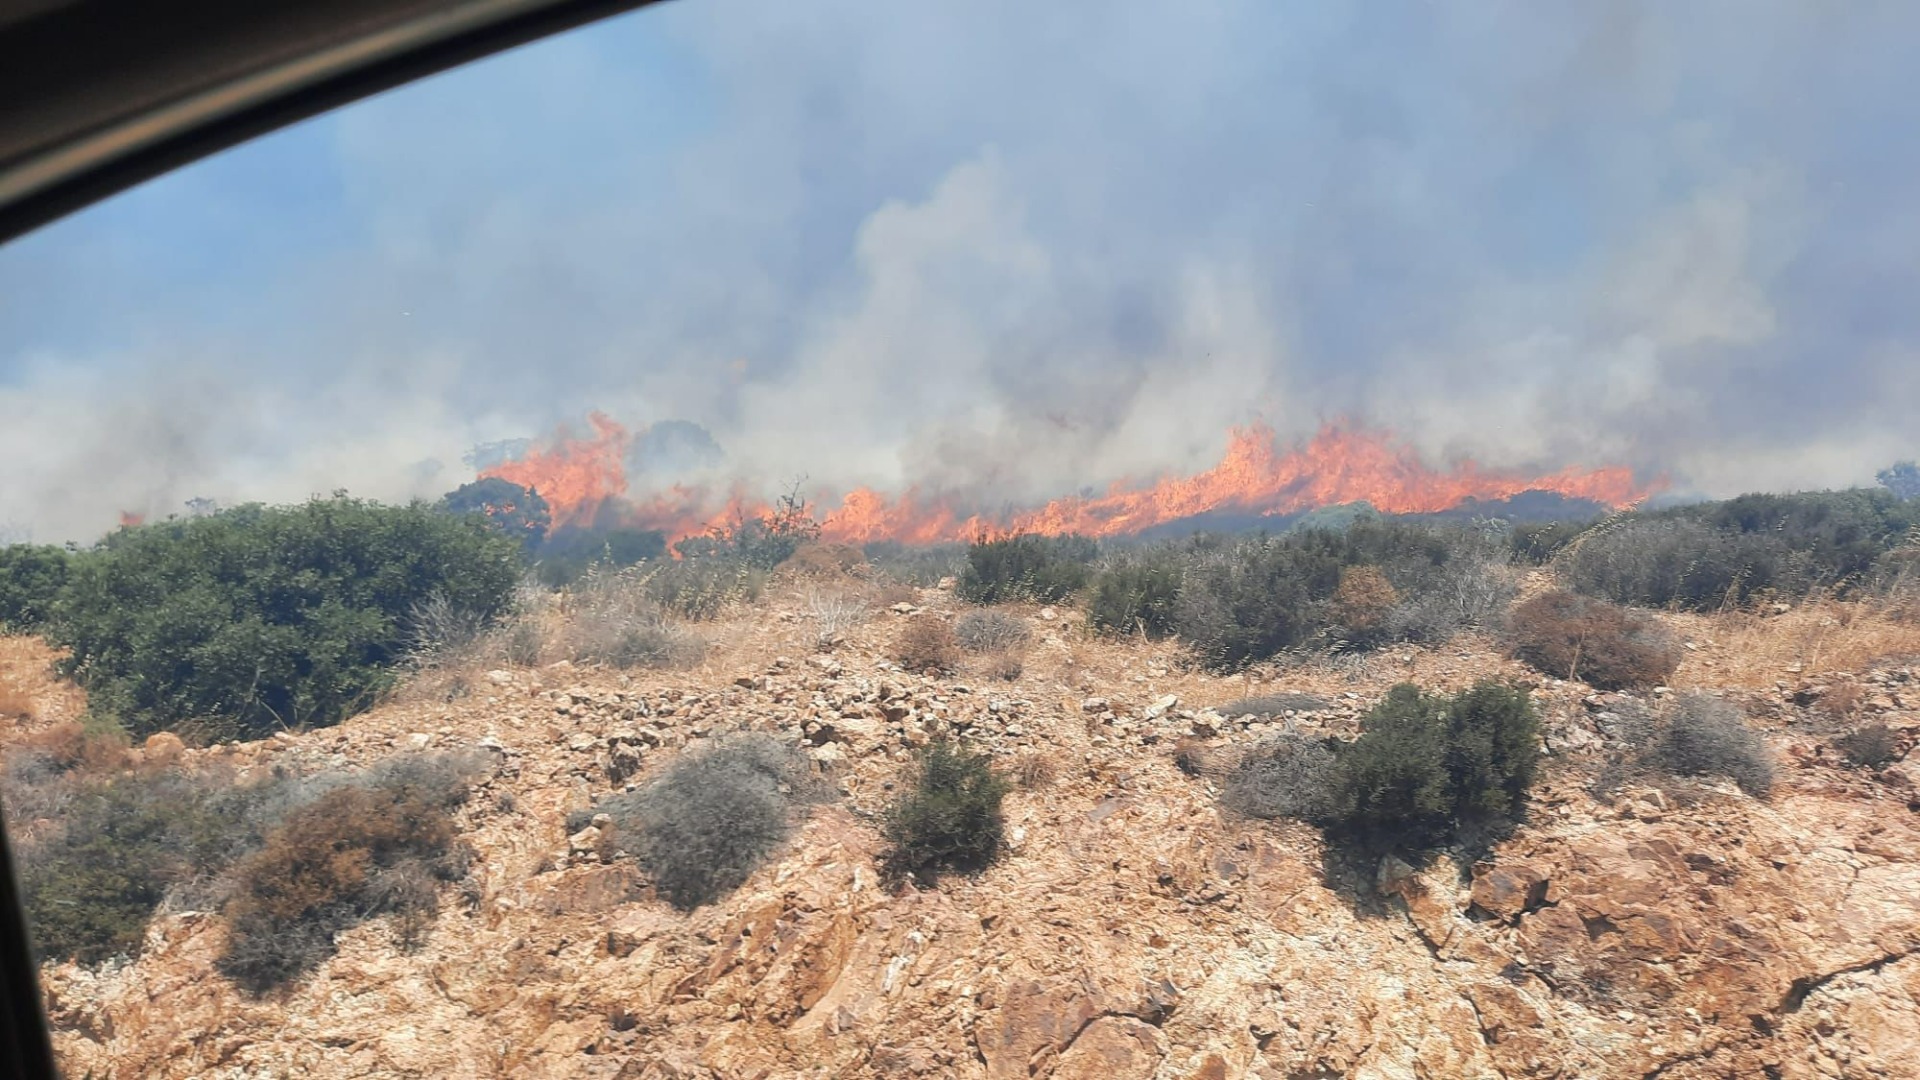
[(1014, 251)]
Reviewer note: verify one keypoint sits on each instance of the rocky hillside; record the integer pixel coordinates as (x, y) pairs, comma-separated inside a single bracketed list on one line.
[(1133, 930)]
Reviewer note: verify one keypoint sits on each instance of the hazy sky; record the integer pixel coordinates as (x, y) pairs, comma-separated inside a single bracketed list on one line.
[(1016, 249)]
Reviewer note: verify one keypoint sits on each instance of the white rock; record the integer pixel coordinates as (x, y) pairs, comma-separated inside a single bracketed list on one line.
[(419, 740), (1163, 706)]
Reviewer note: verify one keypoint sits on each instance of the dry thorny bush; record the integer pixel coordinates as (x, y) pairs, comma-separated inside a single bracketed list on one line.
[(835, 615), (608, 617), (926, 644)]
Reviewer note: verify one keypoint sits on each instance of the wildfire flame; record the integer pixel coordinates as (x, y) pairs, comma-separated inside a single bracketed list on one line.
[(575, 476), (584, 478)]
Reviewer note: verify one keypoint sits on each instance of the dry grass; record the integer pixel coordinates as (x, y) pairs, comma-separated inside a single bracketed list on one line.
[(16, 704), (1747, 650)]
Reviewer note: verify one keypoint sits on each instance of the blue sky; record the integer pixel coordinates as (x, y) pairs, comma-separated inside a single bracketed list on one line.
[(1012, 251)]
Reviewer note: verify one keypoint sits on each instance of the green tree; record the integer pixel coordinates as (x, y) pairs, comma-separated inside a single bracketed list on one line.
[(517, 511), (259, 617), (1903, 479), (31, 577)]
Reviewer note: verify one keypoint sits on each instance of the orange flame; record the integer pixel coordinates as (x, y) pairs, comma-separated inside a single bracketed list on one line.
[(1339, 465), (577, 477), (132, 519)]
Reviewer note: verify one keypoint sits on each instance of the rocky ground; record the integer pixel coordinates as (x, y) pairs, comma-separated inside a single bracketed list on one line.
[(1133, 930)]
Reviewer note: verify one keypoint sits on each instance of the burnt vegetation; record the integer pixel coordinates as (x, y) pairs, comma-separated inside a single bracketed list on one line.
[(380, 846), (1569, 636)]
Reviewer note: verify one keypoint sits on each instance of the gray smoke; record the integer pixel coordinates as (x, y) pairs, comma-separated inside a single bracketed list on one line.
[(1016, 250)]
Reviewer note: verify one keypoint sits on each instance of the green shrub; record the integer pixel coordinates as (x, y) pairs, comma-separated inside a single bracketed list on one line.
[(713, 817), (703, 587), (1901, 478), (1569, 636), (1705, 736), (566, 555), (1252, 600), (916, 565), (378, 845), (1713, 555), (258, 618), (31, 577), (1044, 569), (1136, 594), (989, 631), (947, 816), (1493, 750), (1423, 766), (1392, 783), (1537, 542)]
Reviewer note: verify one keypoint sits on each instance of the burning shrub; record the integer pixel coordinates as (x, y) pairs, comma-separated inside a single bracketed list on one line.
[(1577, 637), (713, 817), (515, 511), (254, 619), (1136, 593), (1705, 736), (762, 542), (947, 816), (31, 577), (926, 644), (377, 846), (1044, 569), (988, 630)]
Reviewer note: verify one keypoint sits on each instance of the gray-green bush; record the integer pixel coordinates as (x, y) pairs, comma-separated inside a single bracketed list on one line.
[(714, 816), (1706, 736)]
